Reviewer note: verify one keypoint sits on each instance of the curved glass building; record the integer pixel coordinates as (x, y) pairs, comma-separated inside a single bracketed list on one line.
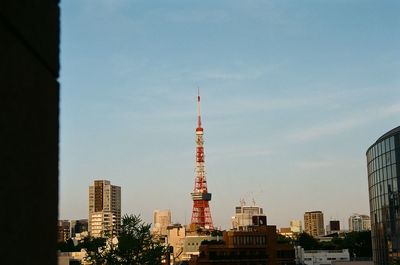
[(383, 159)]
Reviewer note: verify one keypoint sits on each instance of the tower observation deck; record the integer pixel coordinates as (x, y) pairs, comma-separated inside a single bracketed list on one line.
[(201, 214)]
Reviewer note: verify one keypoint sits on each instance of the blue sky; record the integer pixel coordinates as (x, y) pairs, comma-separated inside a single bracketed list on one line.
[(293, 93)]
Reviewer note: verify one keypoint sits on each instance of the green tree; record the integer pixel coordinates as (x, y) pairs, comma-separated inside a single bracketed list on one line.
[(96, 250), (307, 242), (358, 243), (133, 245), (68, 246), (283, 239)]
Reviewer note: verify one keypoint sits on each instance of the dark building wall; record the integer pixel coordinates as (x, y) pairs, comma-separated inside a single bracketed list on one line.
[(383, 159), (29, 110), (334, 225)]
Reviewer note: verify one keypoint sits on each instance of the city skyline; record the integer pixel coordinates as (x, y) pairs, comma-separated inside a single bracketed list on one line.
[(292, 96)]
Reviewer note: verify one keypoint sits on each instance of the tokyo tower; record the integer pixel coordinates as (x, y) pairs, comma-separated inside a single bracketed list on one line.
[(201, 214)]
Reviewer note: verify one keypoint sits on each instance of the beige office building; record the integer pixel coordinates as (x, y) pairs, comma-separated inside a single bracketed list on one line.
[(104, 208), (161, 220), (176, 235), (314, 223)]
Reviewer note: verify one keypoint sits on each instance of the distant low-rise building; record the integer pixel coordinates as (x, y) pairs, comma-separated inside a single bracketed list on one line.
[(320, 257), (191, 245), (286, 231)]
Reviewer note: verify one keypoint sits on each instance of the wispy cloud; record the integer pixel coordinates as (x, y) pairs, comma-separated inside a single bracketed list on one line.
[(346, 123), (323, 164), (260, 103), (314, 165), (390, 110), (240, 152), (190, 15), (243, 73)]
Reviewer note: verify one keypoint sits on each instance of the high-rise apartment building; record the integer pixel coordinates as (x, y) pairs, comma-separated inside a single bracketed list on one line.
[(383, 163), (104, 208), (296, 226), (314, 223), (359, 222), (161, 220)]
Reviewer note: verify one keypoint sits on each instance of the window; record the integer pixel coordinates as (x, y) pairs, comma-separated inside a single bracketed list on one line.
[(388, 158), (387, 143)]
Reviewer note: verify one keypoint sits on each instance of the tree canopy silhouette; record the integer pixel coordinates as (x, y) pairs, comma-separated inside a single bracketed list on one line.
[(134, 245)]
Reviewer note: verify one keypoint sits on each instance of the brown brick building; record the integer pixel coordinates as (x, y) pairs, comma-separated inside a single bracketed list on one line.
[(258, 246)]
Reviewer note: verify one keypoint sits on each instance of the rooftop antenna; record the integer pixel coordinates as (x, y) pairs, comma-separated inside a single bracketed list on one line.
[(198, 108)]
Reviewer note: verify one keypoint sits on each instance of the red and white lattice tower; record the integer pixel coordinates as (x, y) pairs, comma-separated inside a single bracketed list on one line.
[(201, 214)]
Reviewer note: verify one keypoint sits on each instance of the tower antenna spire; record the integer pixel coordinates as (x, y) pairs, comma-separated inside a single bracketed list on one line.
[(198, 108)]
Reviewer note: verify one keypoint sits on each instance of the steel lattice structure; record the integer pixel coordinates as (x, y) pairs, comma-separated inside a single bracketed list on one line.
[(201, 214)]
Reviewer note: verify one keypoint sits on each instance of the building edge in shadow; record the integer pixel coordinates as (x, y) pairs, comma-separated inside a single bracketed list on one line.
[(29, 130)]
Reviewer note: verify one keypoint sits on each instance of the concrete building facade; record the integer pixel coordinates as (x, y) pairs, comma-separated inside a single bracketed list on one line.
[(314, 223), (247, 215), (321, 257), (176, 234), (104, 208)]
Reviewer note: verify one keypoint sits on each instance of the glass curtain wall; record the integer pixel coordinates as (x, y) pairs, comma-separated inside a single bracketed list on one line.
[(383, 182)]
